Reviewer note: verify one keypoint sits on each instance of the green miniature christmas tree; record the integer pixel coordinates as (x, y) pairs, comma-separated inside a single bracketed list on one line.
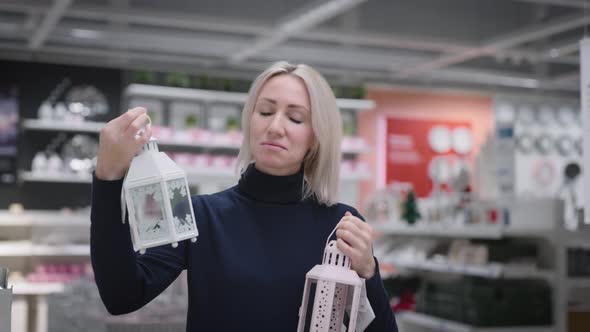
[(191, 121), (178, 79), (232, 123), (411, 214)]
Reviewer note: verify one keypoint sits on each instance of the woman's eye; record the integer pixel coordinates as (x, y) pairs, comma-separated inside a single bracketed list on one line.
[(263, 113), (296, 120)]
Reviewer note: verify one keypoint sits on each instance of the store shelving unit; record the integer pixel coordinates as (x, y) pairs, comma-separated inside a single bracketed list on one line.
[(547, 225), (180, 141), (440, 230), (194, 176), (53, 125), (37, 288), (165, 92), (44, 218), (95, 127), (578, 282), (443, 325), (35, 293), (492, 270), (30, 249), (29, 176)]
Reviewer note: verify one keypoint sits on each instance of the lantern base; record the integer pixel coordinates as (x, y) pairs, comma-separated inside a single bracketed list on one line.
[(142, 251)]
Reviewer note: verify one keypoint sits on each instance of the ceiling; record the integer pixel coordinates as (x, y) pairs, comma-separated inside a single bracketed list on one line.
[(482, 44)]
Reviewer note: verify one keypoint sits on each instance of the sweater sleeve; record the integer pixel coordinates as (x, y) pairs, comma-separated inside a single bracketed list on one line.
[(126, 280), (384, 320)]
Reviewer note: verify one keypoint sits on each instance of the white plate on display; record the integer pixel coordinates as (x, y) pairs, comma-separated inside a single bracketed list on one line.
[(567, 116), (462, 140), (546, 115), (526, 115), (525, 143), (439, 139), (544, 144), (505, 113), (578, 144), (565, 145), (440, 169)]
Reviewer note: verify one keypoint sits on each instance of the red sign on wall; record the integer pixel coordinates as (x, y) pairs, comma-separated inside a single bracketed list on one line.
[(421, 151)]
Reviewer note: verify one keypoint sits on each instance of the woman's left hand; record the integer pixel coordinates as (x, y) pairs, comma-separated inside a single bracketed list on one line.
[(355, 240)]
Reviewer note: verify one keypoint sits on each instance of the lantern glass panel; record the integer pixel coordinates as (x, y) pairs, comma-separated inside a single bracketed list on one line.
[(148, 203), (181, 208)]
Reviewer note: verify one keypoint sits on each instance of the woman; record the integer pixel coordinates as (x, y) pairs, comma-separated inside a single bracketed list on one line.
[(258, 239)]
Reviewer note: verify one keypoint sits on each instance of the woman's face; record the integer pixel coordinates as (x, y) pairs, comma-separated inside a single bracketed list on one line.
[(280, 127)]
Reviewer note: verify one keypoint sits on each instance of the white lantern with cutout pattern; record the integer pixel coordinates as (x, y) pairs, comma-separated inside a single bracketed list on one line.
[(339, 296), (158, 200)]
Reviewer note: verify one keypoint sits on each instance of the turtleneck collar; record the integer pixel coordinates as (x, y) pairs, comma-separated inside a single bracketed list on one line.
[(271, 188)]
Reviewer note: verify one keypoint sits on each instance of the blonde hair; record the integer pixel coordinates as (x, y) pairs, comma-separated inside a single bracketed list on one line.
[(321, 164)]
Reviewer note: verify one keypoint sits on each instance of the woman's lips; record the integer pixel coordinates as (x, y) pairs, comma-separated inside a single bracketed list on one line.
[(274, 146)]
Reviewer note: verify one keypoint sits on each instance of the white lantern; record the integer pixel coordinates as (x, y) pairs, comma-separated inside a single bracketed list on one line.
[(338, 291), (158, 200)]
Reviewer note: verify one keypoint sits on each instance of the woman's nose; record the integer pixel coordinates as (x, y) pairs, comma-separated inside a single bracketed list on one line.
[(276, 125)]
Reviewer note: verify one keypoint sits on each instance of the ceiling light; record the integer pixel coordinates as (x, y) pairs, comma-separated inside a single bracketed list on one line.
[(554, 53), (86, 34)]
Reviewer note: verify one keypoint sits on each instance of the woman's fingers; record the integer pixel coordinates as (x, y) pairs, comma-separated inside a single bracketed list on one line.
[(356, 226), (123, 121), (139, 123), (352, 237), (346, 249)]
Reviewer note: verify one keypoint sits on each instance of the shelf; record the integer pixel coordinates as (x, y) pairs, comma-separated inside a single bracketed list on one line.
[(442, 229), (224, 142), (53, 177), (210, 96), (193, 176), (350, 144), (492, 270), (27, 248), (473, 231), (53, 125), (37, 288), (579, 239), (443, 325), (579, 282), (44, 218)]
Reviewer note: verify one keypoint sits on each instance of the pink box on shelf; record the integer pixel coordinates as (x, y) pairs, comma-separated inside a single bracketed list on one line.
[(162, 133), (183, 136), (183, 159), (221, 139), (201, 161), (202, 136)]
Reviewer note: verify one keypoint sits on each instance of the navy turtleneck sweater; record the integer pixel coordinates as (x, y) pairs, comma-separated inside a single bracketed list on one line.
[(246, 272)]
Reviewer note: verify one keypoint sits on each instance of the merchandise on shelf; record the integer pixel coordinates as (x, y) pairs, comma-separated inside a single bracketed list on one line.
[(59, 272), (76, 156), (486, 302)]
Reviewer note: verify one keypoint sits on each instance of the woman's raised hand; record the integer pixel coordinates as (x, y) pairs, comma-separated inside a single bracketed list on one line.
[(119, 143), (355, 240)]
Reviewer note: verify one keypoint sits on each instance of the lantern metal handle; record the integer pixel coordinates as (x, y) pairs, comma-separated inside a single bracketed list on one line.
[(329, 236), (141, 130)]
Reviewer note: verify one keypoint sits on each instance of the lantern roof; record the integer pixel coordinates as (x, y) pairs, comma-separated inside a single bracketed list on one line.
[(334, 273), (152, 164)]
